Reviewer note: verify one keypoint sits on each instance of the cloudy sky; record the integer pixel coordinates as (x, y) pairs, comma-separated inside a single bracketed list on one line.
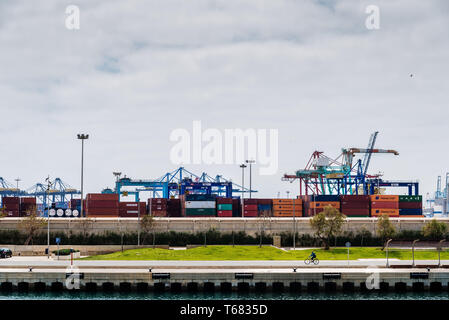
[(137, 70)]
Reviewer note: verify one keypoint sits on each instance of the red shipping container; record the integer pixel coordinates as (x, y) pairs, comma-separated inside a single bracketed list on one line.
[(224, 200), (28, 200), (157, 201), (12, 207), (356, 212), (249, 201), (355, 205), (250, 207), (264, 201), (250, 213), (102, 211), (224, 213), (102, 196), (355, 198), (410, 205), (384, 205), (159, 213), (102, 204)]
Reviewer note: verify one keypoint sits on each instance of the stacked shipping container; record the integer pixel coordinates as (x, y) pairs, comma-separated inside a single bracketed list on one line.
[(287, 207), (11, 206), (27, 206), (102, 205), (315, 204), (265, 207), (224, 207), (250, 208), (200, 205), (157, 207), (355, 205), (132, 209), (410, 206), (384, 204)]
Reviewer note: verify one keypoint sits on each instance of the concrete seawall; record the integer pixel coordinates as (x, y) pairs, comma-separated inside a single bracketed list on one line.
[(248, 225), (328, 280)]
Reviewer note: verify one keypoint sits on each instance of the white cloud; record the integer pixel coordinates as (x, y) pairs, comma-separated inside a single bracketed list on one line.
[(137, 70)]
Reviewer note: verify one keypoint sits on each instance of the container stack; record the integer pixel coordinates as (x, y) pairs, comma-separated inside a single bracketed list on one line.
[(27, 206), (174, 208), (355, 205), (287, 208), (157, 207), (410, 206), (265, 207), (384, 204), (236, 207), (200, 205), (250, 208), (315, 204), (224, 207), (12, 206), (132, 209), (102, 205)]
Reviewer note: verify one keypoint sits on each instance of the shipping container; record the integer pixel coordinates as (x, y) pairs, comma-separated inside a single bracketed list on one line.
[(249, 201), (102, 196), (201, 211), (250, 213), (200, 205), (287, 201), (410, 212), (323, 204), (224, 200), (384, 205), (356, 212), (224, 213), (200, 197), (225, 207), (354, 205), (410, 205), (389, 212), (250, 207), (355, 198), (379, 197), (410, 198)]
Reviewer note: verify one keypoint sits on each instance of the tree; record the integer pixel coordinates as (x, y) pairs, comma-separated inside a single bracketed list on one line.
[(31, 224), (147, 226), (435, 230), (327, 224), (385, 228)]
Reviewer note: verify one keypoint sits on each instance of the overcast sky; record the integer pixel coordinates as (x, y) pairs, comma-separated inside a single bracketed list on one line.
[(136, 70)]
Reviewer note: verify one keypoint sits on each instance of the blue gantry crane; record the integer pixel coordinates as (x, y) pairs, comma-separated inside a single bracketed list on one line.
[(178, 182)]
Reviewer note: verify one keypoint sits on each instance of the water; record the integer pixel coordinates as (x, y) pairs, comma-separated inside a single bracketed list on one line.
[(222, 296)]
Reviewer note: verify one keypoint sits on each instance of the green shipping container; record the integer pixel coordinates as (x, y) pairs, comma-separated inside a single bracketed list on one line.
[(225, 206), (410, 198), (201, 212)]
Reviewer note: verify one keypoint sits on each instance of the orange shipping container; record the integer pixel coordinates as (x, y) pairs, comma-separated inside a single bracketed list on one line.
[(324, 204), (286, 214), (287, 201), (287, 207), (389, 212), (385, 197)]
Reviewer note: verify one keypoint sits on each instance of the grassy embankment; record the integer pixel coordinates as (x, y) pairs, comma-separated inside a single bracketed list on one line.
[(266, 253)]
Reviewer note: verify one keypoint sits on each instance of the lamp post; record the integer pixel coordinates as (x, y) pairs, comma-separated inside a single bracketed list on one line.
[(17, 180), (439, 252), (413, 251), (82, 137), (250, 185), (48, 217), (386, 246), (243, 166)]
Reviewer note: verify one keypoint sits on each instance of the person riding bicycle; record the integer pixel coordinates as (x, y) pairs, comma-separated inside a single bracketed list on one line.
[(312, 256)]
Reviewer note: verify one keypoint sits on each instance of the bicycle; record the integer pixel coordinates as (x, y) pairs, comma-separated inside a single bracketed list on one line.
[(315, 261)]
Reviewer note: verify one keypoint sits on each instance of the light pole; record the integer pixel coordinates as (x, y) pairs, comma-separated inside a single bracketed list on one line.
[(386, 246), (294, 225), (48, 217), (243, 166), (82, 137), (117, 176), (413, 251), (17, 180), (250, 185), (439, 252), (138, 221), (288, 193)]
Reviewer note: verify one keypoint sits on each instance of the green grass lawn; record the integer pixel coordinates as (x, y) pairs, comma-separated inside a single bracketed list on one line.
[(265, 253)]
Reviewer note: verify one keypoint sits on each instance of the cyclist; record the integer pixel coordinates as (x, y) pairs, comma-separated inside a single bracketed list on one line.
[(312, 256)]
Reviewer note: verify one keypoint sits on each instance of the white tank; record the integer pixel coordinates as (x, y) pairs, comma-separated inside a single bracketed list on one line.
[(68, 212), (75, 213), (60, 212), (52, 212)]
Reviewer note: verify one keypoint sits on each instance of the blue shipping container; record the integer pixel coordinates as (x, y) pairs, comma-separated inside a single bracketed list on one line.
[(410, 212)]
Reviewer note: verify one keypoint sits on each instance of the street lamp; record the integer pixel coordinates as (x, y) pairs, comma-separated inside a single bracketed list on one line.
[(288, 193), (48, 216), (250, 185), (386, 246), (439, 252), (413, 251), (243, 166), (82, 137), (17, 180), (117, 175)]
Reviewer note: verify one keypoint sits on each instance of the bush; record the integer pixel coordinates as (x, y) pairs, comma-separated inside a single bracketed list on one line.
[(64, 252)]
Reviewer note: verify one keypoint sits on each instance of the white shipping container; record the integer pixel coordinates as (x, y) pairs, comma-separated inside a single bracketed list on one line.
[(200, 204)]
